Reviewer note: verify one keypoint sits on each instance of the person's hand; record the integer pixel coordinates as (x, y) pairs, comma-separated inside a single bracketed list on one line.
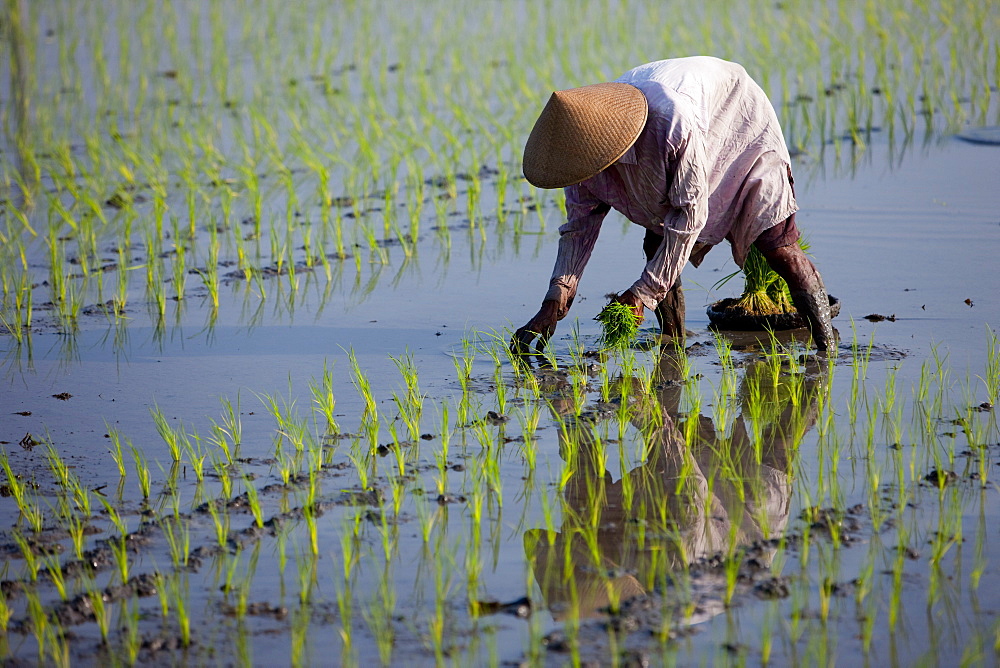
[(631, 300), (541, 326)]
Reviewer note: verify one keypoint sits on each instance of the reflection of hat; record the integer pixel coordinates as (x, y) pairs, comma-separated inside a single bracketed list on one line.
[(581, 131)]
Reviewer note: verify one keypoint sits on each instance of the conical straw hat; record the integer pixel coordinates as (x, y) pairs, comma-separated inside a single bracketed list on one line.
[(582, 131)]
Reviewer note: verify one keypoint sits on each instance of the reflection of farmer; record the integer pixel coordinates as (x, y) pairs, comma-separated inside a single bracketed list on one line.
[(692, 497), (691, 150)]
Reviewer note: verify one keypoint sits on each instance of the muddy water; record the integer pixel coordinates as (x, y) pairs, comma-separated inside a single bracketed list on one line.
[(918, 242)]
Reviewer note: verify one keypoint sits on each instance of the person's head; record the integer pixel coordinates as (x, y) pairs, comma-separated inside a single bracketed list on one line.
[(581, 132)]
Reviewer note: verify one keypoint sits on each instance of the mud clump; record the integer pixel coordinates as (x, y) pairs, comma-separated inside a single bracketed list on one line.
[(772, 588), (167, 643), (521, 607), (361, 497), (833, 523), (494, 418), (941, 479), (80, 608), (260, 609)]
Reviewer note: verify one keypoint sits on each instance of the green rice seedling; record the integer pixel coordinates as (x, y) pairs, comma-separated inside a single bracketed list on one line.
[(210, 279), (34, 516), (14, 326), (379, 617), (131, 637), (364, 466), (142, 471), (980, 558), (231, 423), (220, 523), (14, 483), (119, 549), (764, 292), (56, 646), (398, 451), (56, 575), (305, 567), (618, 325), (224, 474), (220, 438), (300, 636), (31, 559), (345, 616), (501, 389), (76, 526), (121, 295), (117, 520), (102, 613), (254, 500), (309, 512), (323, 398), (178, 588), (173, 439), (427, 518), (463, 370), (39, 622), (195, 455), (992, 372), (369, 416), (287, 465), (6, 612), (408, 370), (229, 569), (178, 535), (116, 451), (180, 262), (398, 486), (528, 417)]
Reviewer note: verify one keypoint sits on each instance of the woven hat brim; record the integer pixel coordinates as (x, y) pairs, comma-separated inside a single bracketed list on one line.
[(581, 132)]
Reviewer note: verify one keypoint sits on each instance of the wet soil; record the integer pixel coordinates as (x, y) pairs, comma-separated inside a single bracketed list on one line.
[(924, 235)]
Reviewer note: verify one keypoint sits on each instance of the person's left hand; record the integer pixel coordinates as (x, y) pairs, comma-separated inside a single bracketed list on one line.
[(631, 300)]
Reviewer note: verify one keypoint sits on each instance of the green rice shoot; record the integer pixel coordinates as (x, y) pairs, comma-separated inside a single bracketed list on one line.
[(618, 325), (764, 291)]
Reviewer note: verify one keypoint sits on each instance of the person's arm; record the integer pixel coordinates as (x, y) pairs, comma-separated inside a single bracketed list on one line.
[(688, 195), (584, 214), (577, 237)]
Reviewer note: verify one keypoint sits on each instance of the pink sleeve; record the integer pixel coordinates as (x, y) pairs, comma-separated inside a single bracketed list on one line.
[(584, 214)]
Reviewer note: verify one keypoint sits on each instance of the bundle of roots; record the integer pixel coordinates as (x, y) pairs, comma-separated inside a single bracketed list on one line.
[(764, 292)]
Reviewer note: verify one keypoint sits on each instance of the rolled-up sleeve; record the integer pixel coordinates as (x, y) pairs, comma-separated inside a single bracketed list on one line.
[(584, 215), (688, 198)]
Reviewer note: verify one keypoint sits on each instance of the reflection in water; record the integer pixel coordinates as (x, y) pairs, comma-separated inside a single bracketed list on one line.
[(702, 489), (21, 56)]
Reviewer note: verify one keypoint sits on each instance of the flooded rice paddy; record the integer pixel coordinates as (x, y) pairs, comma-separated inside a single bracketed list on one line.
[(257, 405)]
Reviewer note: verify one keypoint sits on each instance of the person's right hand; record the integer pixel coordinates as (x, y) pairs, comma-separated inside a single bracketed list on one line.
[(541, 326)]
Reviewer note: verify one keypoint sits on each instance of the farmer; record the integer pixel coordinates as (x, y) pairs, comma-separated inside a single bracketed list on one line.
[(688, 148)]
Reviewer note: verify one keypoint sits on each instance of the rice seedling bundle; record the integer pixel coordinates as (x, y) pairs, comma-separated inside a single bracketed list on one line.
[(618, 325), (764, 292)]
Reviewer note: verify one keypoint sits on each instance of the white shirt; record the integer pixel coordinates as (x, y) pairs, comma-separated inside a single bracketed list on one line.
[(710, 164)]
